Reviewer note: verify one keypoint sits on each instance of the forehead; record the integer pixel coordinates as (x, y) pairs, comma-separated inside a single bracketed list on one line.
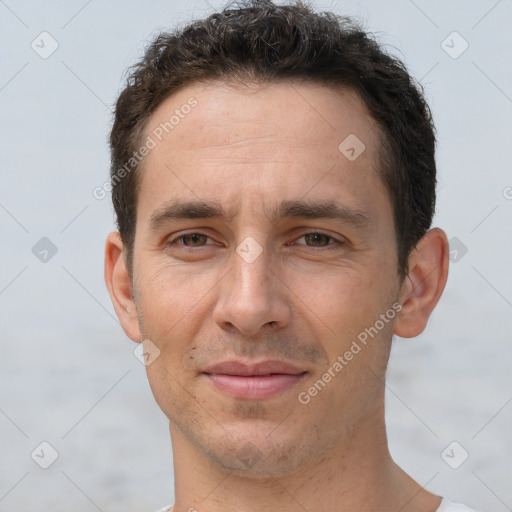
[(282, 110), (232, 143)]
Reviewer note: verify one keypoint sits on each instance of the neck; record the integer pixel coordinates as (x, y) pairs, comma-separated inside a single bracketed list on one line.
[(357, 474)]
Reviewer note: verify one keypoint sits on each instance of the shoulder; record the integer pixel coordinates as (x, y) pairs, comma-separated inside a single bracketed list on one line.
[(450, 506)]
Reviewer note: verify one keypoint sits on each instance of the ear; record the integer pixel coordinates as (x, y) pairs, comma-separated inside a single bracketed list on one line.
[(424, 283), (120, 286)]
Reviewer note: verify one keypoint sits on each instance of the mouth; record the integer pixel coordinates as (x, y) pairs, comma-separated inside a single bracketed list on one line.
[(256, 381)]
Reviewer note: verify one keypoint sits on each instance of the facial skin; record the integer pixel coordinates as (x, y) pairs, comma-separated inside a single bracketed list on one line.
[(303, 300)]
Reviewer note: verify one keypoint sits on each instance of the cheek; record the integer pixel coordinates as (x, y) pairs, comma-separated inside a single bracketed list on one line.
[(165, 319), (170, 294), (338, 299), (344, 307), (174, 304), (167, 391)]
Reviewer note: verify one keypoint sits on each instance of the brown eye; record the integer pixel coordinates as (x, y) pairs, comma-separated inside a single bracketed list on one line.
[(193, 239), (317, 239)]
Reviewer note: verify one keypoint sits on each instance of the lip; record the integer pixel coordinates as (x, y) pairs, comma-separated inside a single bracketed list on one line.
[(254, 381)]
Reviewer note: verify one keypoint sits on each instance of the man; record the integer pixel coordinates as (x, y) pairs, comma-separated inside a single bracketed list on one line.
[(274, 181)]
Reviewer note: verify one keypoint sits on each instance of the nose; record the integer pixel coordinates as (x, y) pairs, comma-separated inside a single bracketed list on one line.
[(251, 296)]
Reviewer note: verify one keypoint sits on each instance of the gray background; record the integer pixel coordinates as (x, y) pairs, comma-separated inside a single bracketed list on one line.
[(68, 373)]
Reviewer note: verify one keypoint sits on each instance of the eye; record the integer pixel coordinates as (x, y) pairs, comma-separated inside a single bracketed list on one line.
[(320, 240), (190, 240)]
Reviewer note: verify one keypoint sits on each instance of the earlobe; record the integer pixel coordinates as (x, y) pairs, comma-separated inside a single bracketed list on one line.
[(424, 284), (120, 287)]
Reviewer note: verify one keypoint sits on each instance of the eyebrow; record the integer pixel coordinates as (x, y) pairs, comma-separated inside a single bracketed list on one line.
[(187, 210), (179, 210), (324, 210)]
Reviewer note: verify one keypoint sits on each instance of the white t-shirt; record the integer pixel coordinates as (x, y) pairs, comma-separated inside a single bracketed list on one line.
[(446, 506), (449, 506)]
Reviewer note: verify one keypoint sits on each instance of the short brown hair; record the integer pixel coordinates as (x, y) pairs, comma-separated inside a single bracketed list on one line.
[(263, 42)]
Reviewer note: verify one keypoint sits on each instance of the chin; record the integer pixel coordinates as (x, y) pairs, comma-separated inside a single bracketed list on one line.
[(256, 448)]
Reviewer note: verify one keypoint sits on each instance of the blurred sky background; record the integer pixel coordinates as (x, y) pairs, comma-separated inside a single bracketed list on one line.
[(68, 374)]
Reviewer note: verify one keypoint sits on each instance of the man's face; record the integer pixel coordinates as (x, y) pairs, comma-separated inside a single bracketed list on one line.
[(275, 281)]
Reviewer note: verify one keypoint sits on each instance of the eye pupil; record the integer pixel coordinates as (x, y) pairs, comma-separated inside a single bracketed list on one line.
[(196, 238), (316, 238)]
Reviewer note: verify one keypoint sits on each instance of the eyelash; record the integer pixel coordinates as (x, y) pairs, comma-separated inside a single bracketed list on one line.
[(336, 243), (332, 246)]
